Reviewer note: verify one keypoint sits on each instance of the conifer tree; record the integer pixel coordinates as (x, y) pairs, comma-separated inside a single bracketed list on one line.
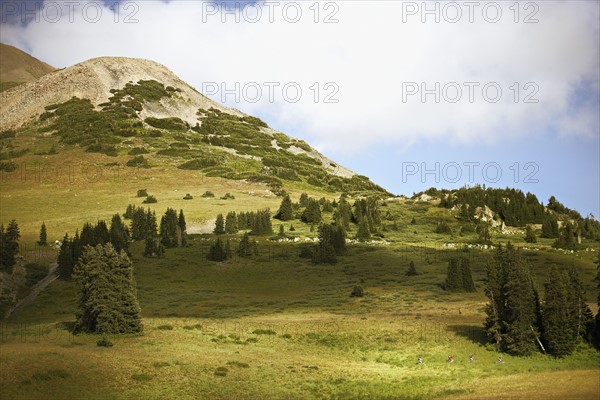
[(101, 234), (43, 235), (169, 225), (182, 231), (454, 278), (530, 235), (363, 233), (219, 225), (286, 211), (107, 292), (217, 251), (247, 247), (412, 270), (65, 259), (9, 245), (312, 213), (119, 234), (303, 200), (467, 279), (550, 226), (559, 334), (231, 224), (325, 252), (281, 230)]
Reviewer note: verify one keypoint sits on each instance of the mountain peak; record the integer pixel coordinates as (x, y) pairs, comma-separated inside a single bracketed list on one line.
[(17, 67)]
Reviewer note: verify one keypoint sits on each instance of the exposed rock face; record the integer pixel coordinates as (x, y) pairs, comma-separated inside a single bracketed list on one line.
[(16, 66), (485, 214)]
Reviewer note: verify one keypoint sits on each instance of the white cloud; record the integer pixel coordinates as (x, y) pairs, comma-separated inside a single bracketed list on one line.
[(368, 54)]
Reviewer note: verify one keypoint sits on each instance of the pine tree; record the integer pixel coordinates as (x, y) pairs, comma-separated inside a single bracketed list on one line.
[(467, 279), (483, 230), (281, 230), (312, 213), (338, 239), (412, 270), (454, 278), (107, 292), (169, 225), (566, 238), (65, 259), (343, 214), (325, 252), (247, 247), (153, 247), (286, 211), (231, 224), (363, 233), (580, 315), (521, 334), (217, 251), (182, 230), (43, 235), (101, 234), (303, 200), (219, 225), (530, 235), (9, 245), (558, 329), (119, 234), (550, 226)]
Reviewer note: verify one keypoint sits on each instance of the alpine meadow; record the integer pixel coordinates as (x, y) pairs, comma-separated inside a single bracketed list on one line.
[(161, 241)]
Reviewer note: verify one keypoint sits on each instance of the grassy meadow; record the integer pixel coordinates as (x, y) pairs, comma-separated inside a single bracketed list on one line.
[(274, 326)]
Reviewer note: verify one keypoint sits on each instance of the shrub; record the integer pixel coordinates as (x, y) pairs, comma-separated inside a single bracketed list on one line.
[(138, 161), (142, 193), (172, 124), (35, 273), (137, 151), (141, 377), (208, 194), (221, 371), (357, 291), (165, 327), (188, 197), (150, 200), (228, 196), (104, 342), (263, 332)]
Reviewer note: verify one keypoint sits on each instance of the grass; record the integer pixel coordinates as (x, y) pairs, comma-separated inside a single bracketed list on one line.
[(279, 327)]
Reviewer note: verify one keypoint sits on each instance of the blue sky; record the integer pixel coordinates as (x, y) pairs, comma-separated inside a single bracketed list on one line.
[(373, 60)]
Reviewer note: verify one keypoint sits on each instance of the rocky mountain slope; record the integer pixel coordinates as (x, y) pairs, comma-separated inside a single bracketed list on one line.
[(17, 67)]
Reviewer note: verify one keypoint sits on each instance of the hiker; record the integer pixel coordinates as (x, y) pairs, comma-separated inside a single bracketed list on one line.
[(419, 360), (450, 359), (471, 358), (500, 360)]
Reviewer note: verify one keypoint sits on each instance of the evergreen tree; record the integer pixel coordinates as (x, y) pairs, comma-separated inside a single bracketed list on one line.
[(325, 252), (467, 279), (247, 247), (483, 230), (231, 224), (281, 230), (530, 235), (303, 200), (9, 245), (343, 214), (119, 234), (153, 247), (566, 238), (521, 334), (338, 239), (169, 226), (107, 292), (580, 315), (286, 211), (454, 278), (182, 230), (217, 251), (219, 225), (550, 226), (363, 233), (101, 234), (292, 229), (65, 259), (559, 334), (312, 213), (43, 235), (412, 270)]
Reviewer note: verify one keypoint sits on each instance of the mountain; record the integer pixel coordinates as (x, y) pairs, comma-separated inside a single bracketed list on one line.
[(119, 106), (17, 67)]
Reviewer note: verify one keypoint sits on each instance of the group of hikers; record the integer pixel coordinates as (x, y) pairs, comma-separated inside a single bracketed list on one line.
[(471, 359)]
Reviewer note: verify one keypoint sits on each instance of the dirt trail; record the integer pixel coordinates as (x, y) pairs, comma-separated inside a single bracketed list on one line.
[(35, 291)]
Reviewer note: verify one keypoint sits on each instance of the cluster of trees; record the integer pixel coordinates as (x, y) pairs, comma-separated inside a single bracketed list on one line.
[(221, 250), (9, 245), (459, 278), (91, 235), (107, 292), (259, 222), (332, 243), (511, 205), (518, 209), (143, 222), (518, 322)]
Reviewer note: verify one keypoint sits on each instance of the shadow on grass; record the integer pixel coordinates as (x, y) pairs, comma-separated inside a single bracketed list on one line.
[(474, 333)]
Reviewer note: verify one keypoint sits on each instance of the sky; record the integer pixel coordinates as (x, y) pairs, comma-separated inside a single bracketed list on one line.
[(410, 94)]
